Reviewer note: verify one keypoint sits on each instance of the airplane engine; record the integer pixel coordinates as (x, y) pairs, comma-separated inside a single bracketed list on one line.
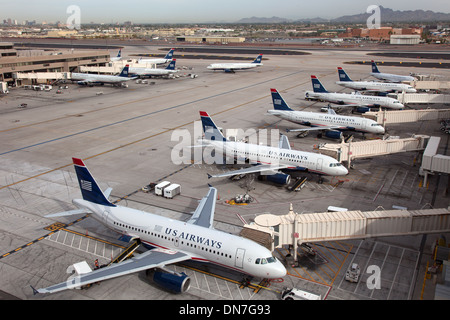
[(333, 134), (172, 281), (278, 178), (82, 83), (362, 109)]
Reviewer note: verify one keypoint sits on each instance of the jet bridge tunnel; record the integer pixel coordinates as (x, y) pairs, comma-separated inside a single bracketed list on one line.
[(294, 229)]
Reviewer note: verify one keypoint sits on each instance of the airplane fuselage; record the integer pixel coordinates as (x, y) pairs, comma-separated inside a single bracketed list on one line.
[(202, 244), (323, 120), (391, 77), (356, 99), (88, 78), (377, 86), (232, 66), (151, 72), (293, 159)]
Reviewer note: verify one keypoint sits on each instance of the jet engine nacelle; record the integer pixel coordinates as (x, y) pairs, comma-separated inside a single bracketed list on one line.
[(362, 109), (175, 282), (82, 83), (333, 134), (278, 178)]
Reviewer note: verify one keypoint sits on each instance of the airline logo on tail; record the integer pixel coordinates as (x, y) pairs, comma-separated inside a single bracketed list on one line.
[(317, 85), (89, 188), (124, 72), (169, 55), (343, 76), (171, 65), (278, 101), (258, 59), (374, 67)]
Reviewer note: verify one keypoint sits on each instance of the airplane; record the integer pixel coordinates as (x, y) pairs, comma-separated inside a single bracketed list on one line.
[(168, 241), (330, 124), (231, 67), (89, 79), (268, 160), (167, 58), (353, 99), (345, 81), (118, 57), (388, 76), (150, 72)]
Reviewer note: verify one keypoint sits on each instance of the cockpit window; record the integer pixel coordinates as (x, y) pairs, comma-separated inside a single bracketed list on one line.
[(336, 164), (265, 260)]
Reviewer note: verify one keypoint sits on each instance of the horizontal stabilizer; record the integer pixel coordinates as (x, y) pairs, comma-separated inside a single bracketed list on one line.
[(66, 213)]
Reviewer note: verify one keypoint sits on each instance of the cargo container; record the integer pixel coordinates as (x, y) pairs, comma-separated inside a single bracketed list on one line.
[(159, 188), (172, 190)]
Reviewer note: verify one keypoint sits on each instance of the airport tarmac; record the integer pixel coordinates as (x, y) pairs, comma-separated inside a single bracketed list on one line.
[(126, 137)]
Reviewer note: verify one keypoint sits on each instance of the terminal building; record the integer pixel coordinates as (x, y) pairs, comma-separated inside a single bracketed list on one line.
[(12, 63)]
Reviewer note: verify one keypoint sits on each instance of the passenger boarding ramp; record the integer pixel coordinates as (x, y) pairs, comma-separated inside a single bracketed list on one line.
[(367, 149), (294, 229), (385, 117)]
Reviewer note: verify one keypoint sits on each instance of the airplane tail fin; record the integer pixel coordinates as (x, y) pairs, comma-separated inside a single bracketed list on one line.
[(258, 59), (171, 65), (278, 101), (343, 76), (119, 54), (89, 188), (169, 54), (317, 85), (210, 129), (124, 72), (374, 67)]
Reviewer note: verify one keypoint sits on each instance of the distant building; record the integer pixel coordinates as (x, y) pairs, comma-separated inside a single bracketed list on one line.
[(405, 39), (222, 40), (62, 62)]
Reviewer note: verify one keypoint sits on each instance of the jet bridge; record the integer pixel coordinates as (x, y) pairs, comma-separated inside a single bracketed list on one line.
[(347, 151), (384, 117), (294, 229)]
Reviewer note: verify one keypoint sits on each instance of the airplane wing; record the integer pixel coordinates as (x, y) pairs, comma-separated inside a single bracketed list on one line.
[(147, 260), (314, 128), (257, 168), (204, 214)]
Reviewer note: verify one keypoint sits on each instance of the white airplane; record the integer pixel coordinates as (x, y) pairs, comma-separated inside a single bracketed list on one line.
[(353, 99), (118, 57), (345, 81), (268, 160), (231, 67), (150, 72), (168, 57), (388, 76), (331, 123), (169, 241), (89, 79)]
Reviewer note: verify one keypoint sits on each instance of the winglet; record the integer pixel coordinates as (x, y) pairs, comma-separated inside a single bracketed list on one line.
[(209, 176), (35, 292)]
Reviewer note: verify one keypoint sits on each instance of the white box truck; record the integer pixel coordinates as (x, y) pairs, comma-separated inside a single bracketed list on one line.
[(159, 188), (172, 190)]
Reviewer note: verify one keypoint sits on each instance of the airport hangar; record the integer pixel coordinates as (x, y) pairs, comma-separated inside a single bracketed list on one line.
[(38, 179)]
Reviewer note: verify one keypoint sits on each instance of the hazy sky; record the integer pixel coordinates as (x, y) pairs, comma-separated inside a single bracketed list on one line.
[(176, 11)]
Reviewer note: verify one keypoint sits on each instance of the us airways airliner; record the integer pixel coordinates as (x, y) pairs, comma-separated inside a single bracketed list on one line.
[(388, 76), (167, 58), (345, 81), (118, 57), (151, 72), (331, 123), (89, 79), (268, 160), (231, 67), (353, 99), (169, 241)]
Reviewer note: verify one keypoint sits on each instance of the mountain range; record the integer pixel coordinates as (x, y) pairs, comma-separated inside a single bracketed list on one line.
[(386, 14)]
